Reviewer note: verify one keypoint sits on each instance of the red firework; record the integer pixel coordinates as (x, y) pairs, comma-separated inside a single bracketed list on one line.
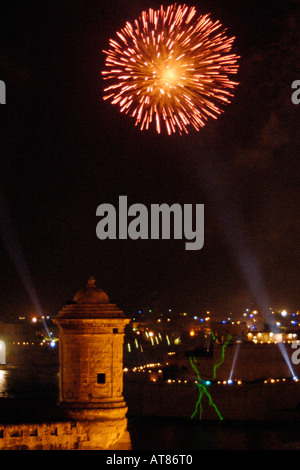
[(171, 66)]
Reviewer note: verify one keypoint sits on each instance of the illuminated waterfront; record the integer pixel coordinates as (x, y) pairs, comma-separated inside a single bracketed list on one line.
[(32, 394)]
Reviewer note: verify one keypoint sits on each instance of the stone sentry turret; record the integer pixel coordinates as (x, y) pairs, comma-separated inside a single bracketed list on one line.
[(92, 412), (91, 335)]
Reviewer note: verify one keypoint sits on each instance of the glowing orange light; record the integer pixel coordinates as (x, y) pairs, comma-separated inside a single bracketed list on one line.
[(171, 67)]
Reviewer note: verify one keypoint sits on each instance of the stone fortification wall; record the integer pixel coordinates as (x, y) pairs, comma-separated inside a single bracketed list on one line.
[(69, 435)]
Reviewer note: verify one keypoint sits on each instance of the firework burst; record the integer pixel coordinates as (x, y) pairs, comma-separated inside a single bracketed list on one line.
[(171, 67)]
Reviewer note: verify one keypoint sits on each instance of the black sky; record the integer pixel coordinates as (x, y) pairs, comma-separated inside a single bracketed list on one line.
[(64, 151)]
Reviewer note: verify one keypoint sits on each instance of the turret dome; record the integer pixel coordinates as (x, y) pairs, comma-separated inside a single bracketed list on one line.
[(91, 294)]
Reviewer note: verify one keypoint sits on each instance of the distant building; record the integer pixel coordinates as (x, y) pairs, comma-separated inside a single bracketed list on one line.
[(238, 330), (15, 331)]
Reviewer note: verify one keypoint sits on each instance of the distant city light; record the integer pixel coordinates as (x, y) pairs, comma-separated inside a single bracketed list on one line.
[(284, 313)]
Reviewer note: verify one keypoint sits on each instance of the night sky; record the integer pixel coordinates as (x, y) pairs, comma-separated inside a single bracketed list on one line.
[(64, 151)]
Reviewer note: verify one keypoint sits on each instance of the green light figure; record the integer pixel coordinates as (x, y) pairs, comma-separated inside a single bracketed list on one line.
[(203, 384)]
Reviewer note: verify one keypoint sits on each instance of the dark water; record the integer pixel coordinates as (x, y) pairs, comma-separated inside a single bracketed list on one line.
[(32, 394), (174, 434), (40, 383)]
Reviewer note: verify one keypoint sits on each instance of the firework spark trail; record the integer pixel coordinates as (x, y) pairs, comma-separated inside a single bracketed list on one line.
[(202, 390), (221, 359), (171, 67), (202, 384)]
